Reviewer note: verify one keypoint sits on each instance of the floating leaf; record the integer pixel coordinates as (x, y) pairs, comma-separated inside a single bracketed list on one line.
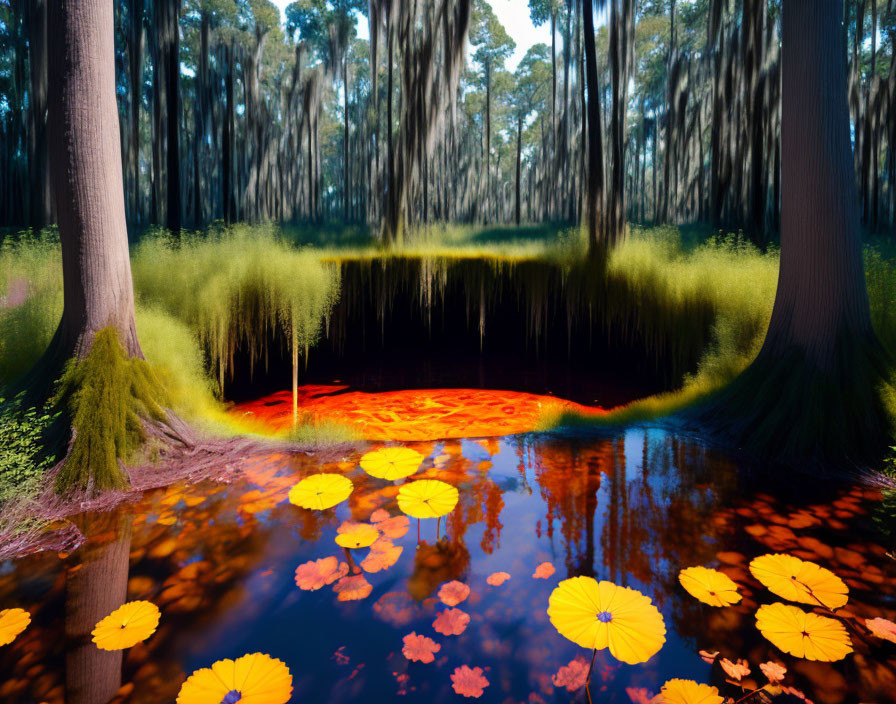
[(572, 676), (391, 462), (315, 574), (803, 635), (736, 670), (353, 588), (321, 491), (452, 622), (395, 527), (356, 535), (12, 622), (469, 682), (598, 615), (773, 672), (383, 554), (454, 592), (419, 648), (496, 579), (709, 586), (797, 580), (689, 692), (882, 628), (129, 624), (427, 498), (544, 571), (252, 678)]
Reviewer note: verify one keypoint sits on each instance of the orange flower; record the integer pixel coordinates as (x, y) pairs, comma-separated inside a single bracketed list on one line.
[(419, 648), (572, 676), (496, 579), (469, 682), (314, 574), (544, 571), (452, 622), (452, 593)]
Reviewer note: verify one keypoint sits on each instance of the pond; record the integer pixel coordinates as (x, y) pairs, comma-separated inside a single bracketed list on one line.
[(633, 506)]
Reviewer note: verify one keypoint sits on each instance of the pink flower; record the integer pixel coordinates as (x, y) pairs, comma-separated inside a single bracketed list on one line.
[(420, 648), (452, 593), (544, 571), (452, 622), (572, 676), (496, 579), (773, 671), (469, 682)]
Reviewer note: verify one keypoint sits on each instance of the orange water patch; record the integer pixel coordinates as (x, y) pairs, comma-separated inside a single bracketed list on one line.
[(413, 414)]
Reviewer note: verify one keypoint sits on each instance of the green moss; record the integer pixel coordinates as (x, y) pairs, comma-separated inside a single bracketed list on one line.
[(106, 396)]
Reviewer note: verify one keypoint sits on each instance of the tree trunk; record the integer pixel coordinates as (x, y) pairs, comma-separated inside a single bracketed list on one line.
[(137, 36), (85, 161), (812, 394), (519, 153), (41, 211), (595, 177)]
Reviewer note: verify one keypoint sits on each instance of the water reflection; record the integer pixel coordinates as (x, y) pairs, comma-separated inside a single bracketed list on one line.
[(633, 507)]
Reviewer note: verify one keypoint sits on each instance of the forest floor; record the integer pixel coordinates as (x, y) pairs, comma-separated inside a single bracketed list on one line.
[(206, 300)]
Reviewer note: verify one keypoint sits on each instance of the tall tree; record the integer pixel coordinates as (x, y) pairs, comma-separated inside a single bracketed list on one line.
[(493, 47), (813, 390), (85, 161)]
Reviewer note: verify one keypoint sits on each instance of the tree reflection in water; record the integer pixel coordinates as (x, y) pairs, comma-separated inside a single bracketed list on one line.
[(634, 507)]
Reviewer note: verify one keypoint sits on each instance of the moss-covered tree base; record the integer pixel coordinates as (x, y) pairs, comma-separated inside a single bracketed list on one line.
[(784, 410), (106, 397)]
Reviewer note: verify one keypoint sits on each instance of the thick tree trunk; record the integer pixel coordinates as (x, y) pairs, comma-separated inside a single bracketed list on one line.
[(85, 161), (136, 39), (812, 394)]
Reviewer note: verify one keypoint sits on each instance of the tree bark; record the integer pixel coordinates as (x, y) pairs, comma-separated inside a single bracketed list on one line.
[(85, 161), (595, 177)]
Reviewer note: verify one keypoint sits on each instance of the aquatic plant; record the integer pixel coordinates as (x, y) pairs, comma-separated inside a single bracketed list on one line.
[(391, 462), (356, 535), (427, 498), (798, 580), (129, 624), (255, 677), (107, 396), (678, 691), (599, 615), (803, 635), (709, 586), (321, 491), (12, 623)]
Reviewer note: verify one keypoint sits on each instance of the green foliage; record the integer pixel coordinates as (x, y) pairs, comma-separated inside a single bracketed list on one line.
[(107, 396), (30, 300), (22, 457), (885, 514), (236, 287)]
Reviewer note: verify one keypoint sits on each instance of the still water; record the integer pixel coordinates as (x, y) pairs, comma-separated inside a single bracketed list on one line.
[(632, 506)]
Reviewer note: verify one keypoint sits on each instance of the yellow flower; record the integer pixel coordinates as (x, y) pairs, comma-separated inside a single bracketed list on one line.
[(689, 692), (391, 462), (427, 498), (320, 491), (357, 535), (598, 615), (796, 580), (709, 586), (129, 624), (804, 635), (12, 622), (251, 679)]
